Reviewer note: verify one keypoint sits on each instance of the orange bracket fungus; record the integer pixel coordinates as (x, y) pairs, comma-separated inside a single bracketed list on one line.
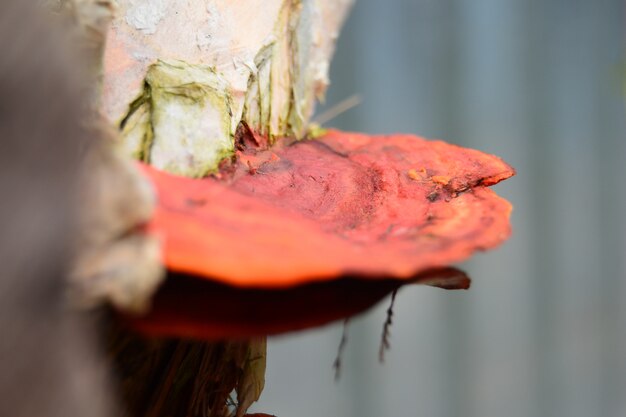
[(305, 232)]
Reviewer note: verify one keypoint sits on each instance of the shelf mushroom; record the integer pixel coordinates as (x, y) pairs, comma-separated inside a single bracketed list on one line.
[(301, 233)]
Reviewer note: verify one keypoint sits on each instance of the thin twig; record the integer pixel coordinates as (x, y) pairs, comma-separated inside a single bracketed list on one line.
[(342, 345), (385, 344), (338, 109)]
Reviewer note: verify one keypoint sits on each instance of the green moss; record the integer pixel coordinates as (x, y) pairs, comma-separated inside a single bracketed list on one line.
[(183, 121), (315, 131), (136, 128), (270, 100)]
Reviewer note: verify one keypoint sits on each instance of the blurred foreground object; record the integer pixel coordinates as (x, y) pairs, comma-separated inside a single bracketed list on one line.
[(50, 361)]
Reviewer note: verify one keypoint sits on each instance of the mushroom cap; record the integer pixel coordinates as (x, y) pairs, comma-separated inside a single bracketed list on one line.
[(389, 209), (344, 204)]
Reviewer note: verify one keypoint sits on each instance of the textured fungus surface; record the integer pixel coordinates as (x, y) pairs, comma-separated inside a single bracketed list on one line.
[(345, 204), (387, 209)]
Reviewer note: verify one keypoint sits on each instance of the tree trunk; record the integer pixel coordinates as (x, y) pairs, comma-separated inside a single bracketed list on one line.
[(181, 76)]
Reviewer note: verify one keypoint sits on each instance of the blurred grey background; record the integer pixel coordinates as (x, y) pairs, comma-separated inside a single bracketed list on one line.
[(543, 330)]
